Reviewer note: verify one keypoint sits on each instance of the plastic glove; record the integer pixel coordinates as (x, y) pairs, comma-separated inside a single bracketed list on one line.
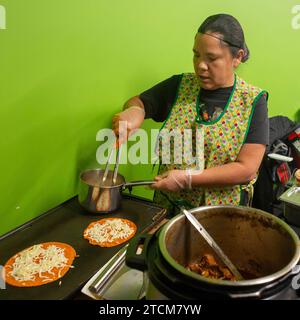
[(132, 118), (173, 181)]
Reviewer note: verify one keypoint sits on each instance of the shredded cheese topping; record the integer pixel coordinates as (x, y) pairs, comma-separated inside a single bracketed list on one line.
[(37, 260), (109, 231)]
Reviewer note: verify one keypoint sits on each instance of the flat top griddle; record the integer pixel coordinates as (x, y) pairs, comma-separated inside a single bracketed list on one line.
[(66, 223)]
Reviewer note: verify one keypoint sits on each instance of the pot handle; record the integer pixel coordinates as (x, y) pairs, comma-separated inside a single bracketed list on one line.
[(136, 252), (137, 183)]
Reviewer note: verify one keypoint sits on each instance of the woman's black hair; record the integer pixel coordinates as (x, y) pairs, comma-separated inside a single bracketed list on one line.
[(230, 31)]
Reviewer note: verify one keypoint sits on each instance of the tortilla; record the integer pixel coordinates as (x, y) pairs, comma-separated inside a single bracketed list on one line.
[(13, 276), (110, 232)]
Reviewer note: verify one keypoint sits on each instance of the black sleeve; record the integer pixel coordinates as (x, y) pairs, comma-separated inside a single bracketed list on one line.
[(259, 126), (159, 99)]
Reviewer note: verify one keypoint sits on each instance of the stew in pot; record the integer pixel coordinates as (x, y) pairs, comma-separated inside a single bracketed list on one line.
[(208, 267)]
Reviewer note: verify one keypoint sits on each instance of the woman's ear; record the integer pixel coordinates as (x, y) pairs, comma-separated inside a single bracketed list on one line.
[(238, 59)]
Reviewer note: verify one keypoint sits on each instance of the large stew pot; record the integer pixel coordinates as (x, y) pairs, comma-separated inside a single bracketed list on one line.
[(98, 197), (264, 247)]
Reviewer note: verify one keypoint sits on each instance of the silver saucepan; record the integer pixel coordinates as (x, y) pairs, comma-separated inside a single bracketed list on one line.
[(98, 197)]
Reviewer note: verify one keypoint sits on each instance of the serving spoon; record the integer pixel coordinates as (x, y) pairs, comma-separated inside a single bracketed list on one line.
[(212, 243)]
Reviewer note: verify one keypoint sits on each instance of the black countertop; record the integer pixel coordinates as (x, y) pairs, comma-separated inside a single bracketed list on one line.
[(66, 224)]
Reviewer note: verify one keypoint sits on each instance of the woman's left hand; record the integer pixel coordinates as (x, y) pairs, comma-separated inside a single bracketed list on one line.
[(173, 181)]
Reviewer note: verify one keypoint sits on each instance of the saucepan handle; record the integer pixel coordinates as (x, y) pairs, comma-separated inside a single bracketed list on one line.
[(137, 183), (136, 252)]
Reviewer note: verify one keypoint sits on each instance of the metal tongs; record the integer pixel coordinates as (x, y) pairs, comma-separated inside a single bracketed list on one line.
[(212, 243), (116, 167)]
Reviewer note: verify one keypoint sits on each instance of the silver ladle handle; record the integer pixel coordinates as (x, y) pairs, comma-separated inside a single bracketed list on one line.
[(212, 243)]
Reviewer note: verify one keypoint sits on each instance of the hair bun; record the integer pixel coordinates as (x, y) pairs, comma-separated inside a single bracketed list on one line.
[(246, 53)]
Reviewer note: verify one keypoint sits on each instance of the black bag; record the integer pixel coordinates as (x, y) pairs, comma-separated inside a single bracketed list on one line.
[(268, 186)]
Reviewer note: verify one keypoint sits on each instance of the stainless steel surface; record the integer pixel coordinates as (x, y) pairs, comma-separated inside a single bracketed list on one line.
[(212, 243), (123, 283), (115, 264), (93, 177), (254, 240), (99, 197)]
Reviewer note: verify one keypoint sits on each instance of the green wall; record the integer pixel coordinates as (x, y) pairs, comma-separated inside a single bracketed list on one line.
[(66, 66)]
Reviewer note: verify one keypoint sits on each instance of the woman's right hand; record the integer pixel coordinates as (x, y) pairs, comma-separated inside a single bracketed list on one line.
[(125, 123)]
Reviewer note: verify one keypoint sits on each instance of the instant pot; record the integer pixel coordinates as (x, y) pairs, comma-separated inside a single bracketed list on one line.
[(256, 242)]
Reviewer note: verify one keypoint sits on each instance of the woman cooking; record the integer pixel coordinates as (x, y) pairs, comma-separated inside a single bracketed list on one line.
[(230, 114)]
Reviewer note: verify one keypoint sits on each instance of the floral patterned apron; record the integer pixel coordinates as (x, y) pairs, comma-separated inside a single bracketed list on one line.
[(215, 142)]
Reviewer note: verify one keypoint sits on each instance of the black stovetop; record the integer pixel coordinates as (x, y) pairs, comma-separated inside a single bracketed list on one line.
[(66, 223)]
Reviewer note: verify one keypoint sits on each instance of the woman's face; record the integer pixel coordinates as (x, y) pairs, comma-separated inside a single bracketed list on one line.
[(213, 62)]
